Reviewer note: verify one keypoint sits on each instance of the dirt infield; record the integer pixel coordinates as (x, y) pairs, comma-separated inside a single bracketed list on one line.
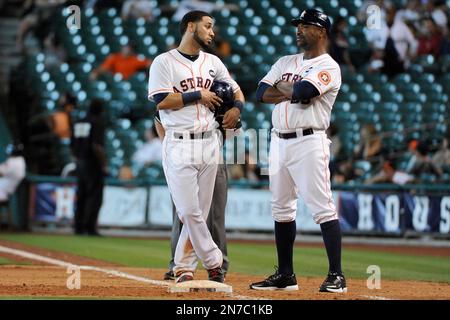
[(38, 279)]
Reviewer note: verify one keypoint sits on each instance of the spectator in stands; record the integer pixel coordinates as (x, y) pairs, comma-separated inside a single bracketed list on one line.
[(37, 14), (346, 171), (400, 46), (388, 172), (236, 172), (339, 46), (411, 13), (125, 62), (436, 10), (135, 9), (385, 173), (54, 53), (184, 6), (336, 145), (362, 13), (370, 143), (248, 171), (376, 62), (12, 171), (335, 148), (251, 170), (222, 47), (430, 38), (126, 173), (60, 121), (421, 162), (151, 150), (445, 44), (441, 158), (50, 128), (396, 42)]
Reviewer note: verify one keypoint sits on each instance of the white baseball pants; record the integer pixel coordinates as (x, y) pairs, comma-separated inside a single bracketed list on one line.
[(190, 167), (299, 167)]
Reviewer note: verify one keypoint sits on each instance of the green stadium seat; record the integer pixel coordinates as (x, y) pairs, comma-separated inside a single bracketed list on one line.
[(428, 62), (411, 96), (445, 62)]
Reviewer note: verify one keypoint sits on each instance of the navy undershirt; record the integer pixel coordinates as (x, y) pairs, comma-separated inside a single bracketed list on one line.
[(303, 90)]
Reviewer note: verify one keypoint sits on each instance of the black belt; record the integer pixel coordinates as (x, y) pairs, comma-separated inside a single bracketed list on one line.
[(292, 135), (199, 135)]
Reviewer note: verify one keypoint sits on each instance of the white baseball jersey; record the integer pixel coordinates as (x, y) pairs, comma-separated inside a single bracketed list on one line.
[(12, 171), (299, 166), (324, 73), (171, 72)]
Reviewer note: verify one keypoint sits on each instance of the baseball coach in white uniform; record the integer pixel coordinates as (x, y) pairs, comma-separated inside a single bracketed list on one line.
[(303, 88)]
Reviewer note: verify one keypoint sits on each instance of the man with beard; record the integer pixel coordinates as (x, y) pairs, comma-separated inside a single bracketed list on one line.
[(303, 88), (179, 84)]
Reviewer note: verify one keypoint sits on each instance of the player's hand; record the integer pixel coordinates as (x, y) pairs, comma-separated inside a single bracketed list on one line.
[(210, 99), (231, 118)]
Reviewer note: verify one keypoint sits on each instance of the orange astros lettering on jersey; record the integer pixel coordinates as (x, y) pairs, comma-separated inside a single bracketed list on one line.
[(194, 83), (324, 77)]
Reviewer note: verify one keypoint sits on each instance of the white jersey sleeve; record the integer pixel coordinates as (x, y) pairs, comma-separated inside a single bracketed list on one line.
[(223, 74), (275, 73), (325, 77), (159, 78)]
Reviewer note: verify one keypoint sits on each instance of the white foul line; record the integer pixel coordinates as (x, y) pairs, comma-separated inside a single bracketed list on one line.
[(375, 297), (112, 272)]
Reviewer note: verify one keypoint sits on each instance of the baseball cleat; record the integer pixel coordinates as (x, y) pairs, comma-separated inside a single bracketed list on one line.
[(216, 274), (184, 276), (277, 281), (334, 282), (169, 275)]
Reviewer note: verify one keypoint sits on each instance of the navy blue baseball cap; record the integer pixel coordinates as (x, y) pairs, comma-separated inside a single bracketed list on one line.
[(313, 17)]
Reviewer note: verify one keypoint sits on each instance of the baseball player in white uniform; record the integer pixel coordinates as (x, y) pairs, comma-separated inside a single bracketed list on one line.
[(12, 171), (179, 84), (303, 87)]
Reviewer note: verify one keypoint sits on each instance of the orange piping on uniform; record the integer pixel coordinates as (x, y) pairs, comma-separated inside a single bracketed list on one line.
[(200, 71), (192, 74), (327, 187)]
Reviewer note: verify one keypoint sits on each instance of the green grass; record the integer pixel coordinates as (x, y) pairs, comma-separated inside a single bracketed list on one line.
[(245, 258), (4, 261)]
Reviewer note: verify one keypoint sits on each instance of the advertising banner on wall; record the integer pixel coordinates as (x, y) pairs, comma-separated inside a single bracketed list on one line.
[(249, 209), (125, 207), (121, 206), (394, 212), (246, 209)]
